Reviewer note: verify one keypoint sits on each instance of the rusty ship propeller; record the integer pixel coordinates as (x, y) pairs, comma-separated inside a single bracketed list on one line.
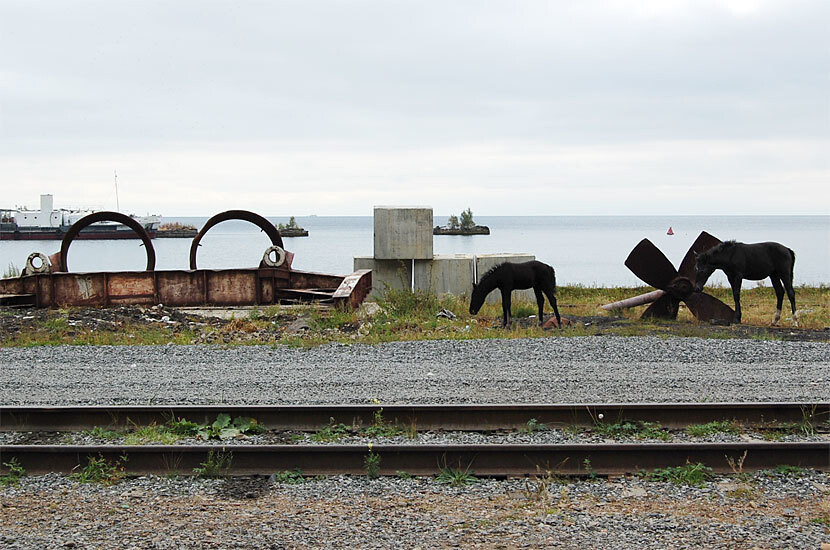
[(648, 263)]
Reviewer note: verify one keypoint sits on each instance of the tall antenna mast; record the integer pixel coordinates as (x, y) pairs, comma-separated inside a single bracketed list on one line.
[(117, 204)]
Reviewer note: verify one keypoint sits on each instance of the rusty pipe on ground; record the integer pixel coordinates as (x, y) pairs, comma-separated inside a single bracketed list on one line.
[(635, 301)]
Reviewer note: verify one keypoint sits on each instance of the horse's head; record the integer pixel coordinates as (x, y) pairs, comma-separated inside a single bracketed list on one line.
[(703, 269), (476, 299)]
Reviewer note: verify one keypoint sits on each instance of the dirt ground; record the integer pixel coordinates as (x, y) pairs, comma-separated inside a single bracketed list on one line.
[(233, 325)]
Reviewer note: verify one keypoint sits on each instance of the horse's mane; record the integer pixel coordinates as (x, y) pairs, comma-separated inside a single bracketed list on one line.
[(726, 245), (490, 272)]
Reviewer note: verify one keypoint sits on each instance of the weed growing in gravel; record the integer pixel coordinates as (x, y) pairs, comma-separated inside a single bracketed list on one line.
[(634, 429), (289, 477), (372, 464), (381, 428), (711, 428), (534, 425), (100, 433), (455, 477), (223, 428), (403, 475), (690, 474), (333, 432), (16, 471), (216, 465), (100, 470), (787, 470), (537, 488)]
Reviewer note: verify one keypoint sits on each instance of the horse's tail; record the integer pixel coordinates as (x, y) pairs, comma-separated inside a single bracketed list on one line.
[(553, 278), (792, 264)]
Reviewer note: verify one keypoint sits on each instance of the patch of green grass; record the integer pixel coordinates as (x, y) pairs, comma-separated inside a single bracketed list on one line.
[(715, 427), (455, 477), (16, 471), (691, 474), (381, 428), (290, 477), (788, 470), (534, 425), (151, 433), (216, 465), (636, 429), (403, 475), (101, 433), (333, 432), (100, 470)]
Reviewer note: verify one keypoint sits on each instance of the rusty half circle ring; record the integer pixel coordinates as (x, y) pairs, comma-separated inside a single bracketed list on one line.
[(110, 217), (244, 215)]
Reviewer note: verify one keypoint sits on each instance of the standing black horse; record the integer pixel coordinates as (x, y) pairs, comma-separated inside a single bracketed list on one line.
[(750, 261), (508, 277)]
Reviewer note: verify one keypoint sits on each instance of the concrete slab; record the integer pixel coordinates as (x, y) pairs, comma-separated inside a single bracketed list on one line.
[(445, 274), (403, 233), (395, 274)]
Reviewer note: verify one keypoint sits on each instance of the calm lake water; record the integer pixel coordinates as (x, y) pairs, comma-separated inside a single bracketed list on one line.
[(585, 250)]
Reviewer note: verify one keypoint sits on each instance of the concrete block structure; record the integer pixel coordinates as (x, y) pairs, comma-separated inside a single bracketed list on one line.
[(484, 262), (403, 233), (445, 274), (403, 245), (386, 274)]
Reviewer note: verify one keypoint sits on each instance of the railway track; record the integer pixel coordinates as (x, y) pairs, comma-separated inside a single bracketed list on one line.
[(419, 459)]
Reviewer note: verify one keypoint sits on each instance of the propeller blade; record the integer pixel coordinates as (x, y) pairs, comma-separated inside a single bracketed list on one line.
[(649, 264), (664, 307), (704, 242), (708, 308)]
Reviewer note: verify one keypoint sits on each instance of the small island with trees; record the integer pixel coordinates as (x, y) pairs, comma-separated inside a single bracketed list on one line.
[(291, 229), (465, 227), (176, 230)]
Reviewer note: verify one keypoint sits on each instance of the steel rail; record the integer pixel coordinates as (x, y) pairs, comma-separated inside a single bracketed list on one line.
[(420, 417), (485, 460)]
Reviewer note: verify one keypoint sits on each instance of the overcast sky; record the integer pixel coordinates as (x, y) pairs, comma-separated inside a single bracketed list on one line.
[(330, 108)]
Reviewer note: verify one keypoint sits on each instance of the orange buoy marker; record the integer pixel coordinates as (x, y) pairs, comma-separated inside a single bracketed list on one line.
[(669, 232)]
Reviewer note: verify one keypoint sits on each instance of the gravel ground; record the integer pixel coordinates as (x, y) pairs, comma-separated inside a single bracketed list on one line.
[(765, 511), (542, 370)]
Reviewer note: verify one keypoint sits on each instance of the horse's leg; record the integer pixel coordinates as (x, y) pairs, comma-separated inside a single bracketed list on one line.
[(505, 306), (788, 284), (735, 282), (540, 303), (779, 297), (551, 294)]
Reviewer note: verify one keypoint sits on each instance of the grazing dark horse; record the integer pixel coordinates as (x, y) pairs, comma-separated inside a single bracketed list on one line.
[(754, 262), (508, 277)]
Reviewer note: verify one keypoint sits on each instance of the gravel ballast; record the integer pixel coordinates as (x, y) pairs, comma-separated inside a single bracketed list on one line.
[(765, 511), (543, 370), (759, 511)]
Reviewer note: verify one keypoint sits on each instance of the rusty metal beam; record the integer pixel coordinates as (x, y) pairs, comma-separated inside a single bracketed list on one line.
[(220, 287), (422, 417)]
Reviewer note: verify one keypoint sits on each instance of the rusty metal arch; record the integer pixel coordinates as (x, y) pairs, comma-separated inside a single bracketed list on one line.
[(110, 217), (244, 215)]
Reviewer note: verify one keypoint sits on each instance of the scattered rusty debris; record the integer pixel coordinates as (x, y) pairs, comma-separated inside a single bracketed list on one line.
[(50, 284)]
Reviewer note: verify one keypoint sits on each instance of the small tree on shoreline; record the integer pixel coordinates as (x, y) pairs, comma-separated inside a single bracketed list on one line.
[(467, 219)]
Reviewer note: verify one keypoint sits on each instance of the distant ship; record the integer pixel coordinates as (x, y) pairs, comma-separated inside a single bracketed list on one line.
[(19, 224)]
